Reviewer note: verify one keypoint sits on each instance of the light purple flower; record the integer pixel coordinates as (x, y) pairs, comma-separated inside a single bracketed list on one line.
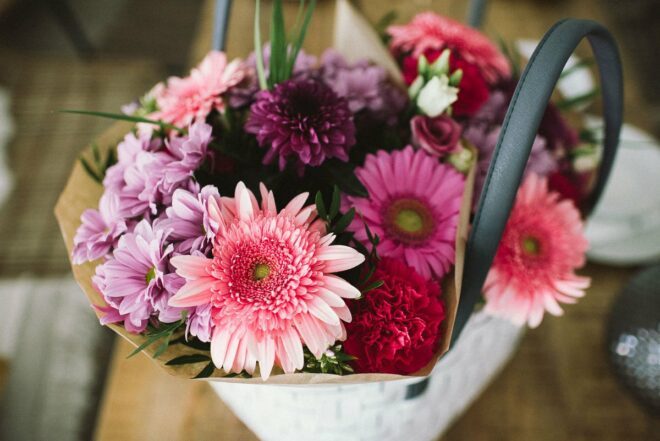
[(188, 219), (365, 86), (200, 323), (188, 153), (99, 230), (132, 279), (484, 139), (141, 192), (110, 314)]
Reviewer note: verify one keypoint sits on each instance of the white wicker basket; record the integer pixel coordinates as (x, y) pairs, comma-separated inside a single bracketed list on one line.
[(397, 410)]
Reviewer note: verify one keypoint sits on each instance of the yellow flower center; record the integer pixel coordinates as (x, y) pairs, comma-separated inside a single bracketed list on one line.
[(409, 220), (531, 245), (260, 271), (151, 275)]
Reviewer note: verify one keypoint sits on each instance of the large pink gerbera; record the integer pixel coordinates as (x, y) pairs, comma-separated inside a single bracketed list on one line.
[(270, 284), (431, 31), (534, 269), (189, 99), (413, 206)]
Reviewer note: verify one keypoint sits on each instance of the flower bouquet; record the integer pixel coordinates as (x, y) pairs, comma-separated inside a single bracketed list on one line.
[(302, 220)]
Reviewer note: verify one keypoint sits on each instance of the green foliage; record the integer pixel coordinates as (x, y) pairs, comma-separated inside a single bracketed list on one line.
[(188, 359), (576, 101), (99, 165), (162, 334), (207, 371), (582, 64), (122, 117), (343, 174), (333, 361), (383, 23), (283, 50)]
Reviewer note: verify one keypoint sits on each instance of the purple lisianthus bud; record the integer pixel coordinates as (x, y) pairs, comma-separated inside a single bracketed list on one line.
[(437, 136)]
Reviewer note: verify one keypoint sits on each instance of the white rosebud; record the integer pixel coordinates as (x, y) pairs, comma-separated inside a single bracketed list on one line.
[(436, 96), (415, 87)]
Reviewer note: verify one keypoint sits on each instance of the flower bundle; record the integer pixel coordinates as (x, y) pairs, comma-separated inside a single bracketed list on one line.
[(288, 214)]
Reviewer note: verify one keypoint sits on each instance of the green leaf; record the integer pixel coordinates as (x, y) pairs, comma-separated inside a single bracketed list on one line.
[(297, 43), (334, 204), (148, 342), (320, 205), (344, 221), (258, 50), (122, 117), (373, 285), (582, 64), (577, 100), (188, 359), (90, 171), (96, 154), (385, 21), (343, 174), (207, 371), (165, 332), (360, 247), (163, 346), (296, 25), (278, 46), (194, 343)]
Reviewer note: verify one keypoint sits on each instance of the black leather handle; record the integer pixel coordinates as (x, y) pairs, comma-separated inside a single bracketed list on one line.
[(515, 142)]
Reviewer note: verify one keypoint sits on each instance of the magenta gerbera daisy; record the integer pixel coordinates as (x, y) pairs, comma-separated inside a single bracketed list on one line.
[(413, 206), (302, 119), (534, 268), (270, 283)]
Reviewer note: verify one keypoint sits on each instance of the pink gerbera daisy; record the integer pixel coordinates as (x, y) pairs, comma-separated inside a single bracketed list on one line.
[(534, 269), (413, 206), (431, 31), (270, 284), (189, 99)]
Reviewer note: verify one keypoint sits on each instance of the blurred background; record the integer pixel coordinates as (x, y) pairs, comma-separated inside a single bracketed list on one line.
[(62, 376)]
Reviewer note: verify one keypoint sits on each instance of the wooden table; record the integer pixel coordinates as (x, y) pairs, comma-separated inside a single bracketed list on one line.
[(558, 386)]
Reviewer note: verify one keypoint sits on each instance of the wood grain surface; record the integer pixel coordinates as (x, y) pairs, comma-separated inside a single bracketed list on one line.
[(559, 385)]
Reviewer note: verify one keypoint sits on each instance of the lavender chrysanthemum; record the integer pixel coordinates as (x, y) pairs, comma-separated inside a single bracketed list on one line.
[(303, 119), (132, 279), (99, 230), (187, 219), (365, 86)]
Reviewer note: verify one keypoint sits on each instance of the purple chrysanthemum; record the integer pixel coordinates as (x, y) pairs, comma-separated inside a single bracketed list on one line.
[(132, 279), (365, 86), (99, 230), (303, 119), (188, 219)]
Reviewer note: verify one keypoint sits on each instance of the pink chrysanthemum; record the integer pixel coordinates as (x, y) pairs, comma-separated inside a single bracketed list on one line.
[(413, 206), (189, 99), (99, 230), (534, 269), (270, 284), (431, 31)]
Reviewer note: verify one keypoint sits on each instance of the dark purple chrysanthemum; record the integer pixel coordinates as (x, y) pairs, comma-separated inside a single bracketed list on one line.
[(303, 119)]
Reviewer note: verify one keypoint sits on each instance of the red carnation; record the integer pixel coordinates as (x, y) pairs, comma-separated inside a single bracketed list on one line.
[(396, 327), (473, 89)]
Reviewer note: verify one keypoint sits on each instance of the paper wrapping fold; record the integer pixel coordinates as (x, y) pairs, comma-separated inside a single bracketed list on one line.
[(82, 192)]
